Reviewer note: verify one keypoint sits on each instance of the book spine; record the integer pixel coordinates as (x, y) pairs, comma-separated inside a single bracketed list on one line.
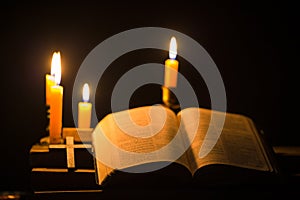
[(43, 179), (57, 158)]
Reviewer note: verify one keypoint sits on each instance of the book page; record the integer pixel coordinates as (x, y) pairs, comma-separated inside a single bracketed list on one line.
[(237, 144), (138, 136)]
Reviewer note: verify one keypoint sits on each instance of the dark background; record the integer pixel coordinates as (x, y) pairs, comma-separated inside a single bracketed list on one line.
[(251, 43)]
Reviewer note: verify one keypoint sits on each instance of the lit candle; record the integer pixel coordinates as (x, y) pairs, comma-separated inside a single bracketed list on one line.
[(84, 109), (50, 78), (56, 104), (171, 66)]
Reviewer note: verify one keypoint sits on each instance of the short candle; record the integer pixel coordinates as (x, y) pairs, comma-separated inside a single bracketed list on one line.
[(171, 66), (84, 109)]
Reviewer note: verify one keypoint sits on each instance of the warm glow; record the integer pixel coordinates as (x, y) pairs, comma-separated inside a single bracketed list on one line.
[(86, 92), (173, 48), (56, 67)]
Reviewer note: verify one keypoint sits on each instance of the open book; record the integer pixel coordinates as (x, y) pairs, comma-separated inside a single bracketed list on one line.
[(153, 145)]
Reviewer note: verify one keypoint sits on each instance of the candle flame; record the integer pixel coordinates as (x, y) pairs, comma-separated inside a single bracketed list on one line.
[(86, 92), (173, 48), (56, 67)]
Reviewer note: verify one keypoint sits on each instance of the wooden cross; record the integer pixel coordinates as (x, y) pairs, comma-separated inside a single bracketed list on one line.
[(70, 152), (69, 149)]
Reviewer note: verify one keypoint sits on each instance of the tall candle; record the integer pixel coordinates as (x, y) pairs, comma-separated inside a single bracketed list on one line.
[(50, 77), (171, 65), (84, 109), (56, 105)]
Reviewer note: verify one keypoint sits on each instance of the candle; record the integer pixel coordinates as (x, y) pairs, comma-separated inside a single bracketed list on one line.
[(50, 78), (171, 65), (84, 109), (56, 104)]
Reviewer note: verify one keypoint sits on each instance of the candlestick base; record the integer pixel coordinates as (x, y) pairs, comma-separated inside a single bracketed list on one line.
[(56, 140), (169, 99), (47, 141), (83, 135)]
